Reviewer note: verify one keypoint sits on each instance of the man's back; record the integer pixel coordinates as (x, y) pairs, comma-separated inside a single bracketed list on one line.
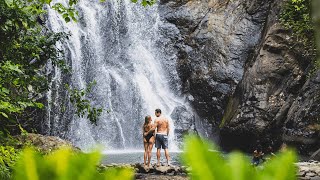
[(162, 125)]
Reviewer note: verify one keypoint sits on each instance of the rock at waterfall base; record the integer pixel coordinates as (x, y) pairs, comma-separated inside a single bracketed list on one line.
[(45, 144)]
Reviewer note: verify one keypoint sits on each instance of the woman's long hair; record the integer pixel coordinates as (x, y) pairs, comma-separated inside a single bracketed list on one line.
[(146, 121)]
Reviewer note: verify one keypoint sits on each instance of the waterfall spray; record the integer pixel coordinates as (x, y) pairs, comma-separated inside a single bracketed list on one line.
[(115, 44)]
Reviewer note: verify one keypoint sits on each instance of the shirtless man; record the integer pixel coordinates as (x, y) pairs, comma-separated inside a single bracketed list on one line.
[(161, 127)]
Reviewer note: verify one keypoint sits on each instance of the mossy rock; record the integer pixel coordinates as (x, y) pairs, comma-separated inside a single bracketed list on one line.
[(45, 144)]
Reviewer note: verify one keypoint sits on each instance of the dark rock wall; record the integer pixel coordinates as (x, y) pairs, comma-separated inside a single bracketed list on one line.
[(239, 70), (214, 40), (272, 102)]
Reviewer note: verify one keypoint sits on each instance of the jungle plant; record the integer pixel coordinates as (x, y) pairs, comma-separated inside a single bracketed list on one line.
[(203, 158), (82, 104), (296, 16), (8, 158), (207, 162), (65, 164), (316, 20), (26, 46)]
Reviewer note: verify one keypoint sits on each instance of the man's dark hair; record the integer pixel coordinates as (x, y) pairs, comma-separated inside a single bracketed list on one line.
[(158, 111)]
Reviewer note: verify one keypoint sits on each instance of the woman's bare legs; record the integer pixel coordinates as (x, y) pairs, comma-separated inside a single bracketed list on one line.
[(150, 145), (145, 156)]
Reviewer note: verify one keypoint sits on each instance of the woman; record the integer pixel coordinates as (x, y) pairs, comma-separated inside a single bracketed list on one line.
[(148, 139)]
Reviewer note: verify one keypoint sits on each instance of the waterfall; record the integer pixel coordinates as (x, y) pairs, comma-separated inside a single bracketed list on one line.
[(115, 43)]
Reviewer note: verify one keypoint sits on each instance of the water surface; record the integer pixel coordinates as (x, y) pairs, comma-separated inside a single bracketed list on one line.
[(132, 157)]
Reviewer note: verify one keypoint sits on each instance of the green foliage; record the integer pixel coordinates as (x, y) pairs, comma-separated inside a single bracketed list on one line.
[(67, 13), (82, 105), (8, 157), (316, 20), (15, 89), (296, 16), (145, 2), (64, 164), (207, 163), (25, 48)]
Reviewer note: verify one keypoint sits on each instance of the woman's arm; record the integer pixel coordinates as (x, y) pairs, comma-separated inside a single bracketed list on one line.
[(153, 128)]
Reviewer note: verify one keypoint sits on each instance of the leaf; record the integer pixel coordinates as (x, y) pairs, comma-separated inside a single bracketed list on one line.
[(16, 82), (13, 67), (210, 165), (144, 3), (72, 2), (4, 114), (281, 167), (39, 105), (67, 19), (9, 2), (204, 160), (5, 90), (65, 164), (65, 15), (75, 20), (240, 167)]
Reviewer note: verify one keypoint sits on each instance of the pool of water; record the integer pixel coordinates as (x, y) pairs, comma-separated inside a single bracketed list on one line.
[(132, 157)]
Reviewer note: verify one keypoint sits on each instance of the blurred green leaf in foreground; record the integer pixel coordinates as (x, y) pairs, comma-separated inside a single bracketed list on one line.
[(64, 164), (208, 163), (202, 157)]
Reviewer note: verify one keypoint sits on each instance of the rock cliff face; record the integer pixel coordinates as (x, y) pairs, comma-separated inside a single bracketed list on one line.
[(213, 40), (239, 70), (274, 102)]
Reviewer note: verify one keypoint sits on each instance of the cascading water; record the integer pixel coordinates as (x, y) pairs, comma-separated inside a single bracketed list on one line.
[(115, 44)]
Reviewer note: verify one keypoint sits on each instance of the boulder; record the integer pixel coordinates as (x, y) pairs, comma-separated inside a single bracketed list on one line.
[(143, 169), (308, 170), (45, 144), (184, 122), (164, 169)]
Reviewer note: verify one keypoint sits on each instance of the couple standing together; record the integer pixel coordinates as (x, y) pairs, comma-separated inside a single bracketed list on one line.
[(155, 133)]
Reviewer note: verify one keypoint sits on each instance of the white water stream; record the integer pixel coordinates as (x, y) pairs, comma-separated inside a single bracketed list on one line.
[(115, 44)]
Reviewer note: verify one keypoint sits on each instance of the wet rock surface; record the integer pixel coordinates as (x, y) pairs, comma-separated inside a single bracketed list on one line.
[(163, 169), (153, 172), (316, 155), (275, 102), (184, 122), (212, 40), (239, 70), (160, 177), (309, 170)]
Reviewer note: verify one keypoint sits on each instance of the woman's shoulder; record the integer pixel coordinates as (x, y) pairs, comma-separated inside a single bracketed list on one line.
[(147, 125)]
